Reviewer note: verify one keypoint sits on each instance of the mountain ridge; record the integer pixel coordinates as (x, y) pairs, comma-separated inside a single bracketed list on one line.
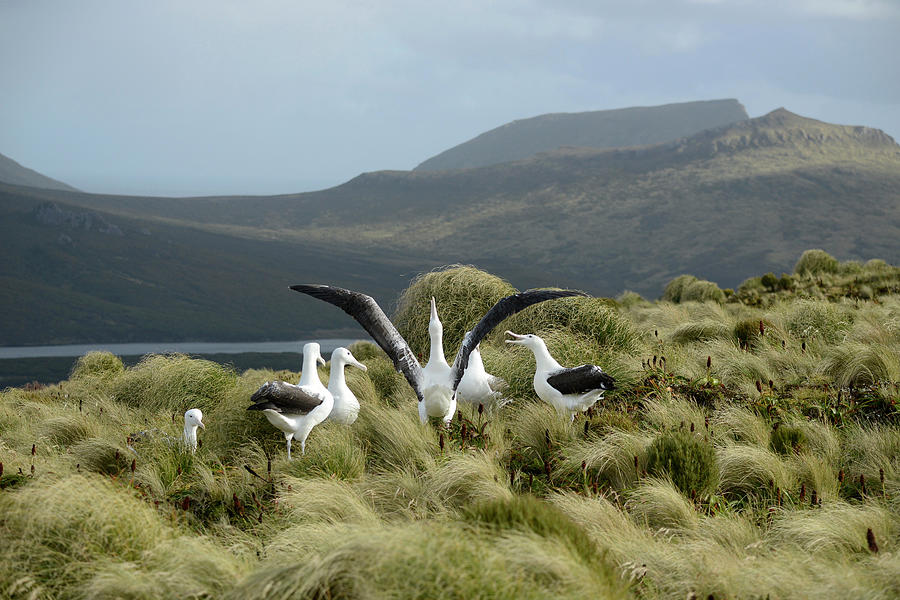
[(632, 126)]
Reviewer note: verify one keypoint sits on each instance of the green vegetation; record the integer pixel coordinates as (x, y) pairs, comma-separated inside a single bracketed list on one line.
[(751, 449)]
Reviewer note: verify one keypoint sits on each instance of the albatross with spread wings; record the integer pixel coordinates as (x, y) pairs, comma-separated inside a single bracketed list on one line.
[(435, 385)]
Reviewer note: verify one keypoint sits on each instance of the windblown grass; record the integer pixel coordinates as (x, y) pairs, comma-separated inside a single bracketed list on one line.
[(794, 393)]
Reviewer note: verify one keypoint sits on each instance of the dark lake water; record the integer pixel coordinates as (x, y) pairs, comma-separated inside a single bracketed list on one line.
[(139, 349)]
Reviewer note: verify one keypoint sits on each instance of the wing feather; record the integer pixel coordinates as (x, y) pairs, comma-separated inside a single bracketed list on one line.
[(582, 379), (367, 313), (284, 397), (504, 308)]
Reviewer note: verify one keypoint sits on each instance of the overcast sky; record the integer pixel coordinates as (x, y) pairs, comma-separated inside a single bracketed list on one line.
[(181, 97)]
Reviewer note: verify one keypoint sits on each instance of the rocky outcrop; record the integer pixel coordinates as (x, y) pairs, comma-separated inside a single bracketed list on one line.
[(53, 215)]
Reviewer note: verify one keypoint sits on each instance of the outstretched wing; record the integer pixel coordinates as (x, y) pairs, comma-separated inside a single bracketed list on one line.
[(580, 380), (367, 313), (284, 398), (505, 307)]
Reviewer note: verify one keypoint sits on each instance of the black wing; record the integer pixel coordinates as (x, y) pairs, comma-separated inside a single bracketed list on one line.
[(368, 314), (284, 398), (504, 308), (580, 380)]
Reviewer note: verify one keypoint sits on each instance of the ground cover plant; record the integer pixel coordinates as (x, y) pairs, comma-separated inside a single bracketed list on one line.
[(751, 450)]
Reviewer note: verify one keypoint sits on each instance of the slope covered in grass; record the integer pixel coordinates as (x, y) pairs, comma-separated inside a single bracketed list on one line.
[(731, 461)]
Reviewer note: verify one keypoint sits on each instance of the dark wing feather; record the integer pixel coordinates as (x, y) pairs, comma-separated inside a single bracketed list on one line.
[(367, 313), (580, 380), (504, 308), (284, 398)]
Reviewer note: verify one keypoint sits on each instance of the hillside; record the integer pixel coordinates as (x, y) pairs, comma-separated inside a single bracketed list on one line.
[(723, 204), (13, 173), (636, 126), (76, 275)]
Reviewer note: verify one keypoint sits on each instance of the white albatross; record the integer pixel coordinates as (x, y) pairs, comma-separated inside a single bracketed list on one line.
[(296, 409), (193, 418), (477, 386), (435, 385), (346, 406), (568, 390)]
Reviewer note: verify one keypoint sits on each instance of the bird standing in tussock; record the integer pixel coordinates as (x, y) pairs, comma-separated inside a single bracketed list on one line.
[(567, 390), (296, 409)]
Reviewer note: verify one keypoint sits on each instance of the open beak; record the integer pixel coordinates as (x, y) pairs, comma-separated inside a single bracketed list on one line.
[(519, 338)]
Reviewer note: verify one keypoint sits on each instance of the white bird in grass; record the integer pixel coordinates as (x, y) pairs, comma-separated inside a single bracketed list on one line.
[(296, 409), (346, 406), (435, 385), (193, 419), (477, 386), (567, 390)]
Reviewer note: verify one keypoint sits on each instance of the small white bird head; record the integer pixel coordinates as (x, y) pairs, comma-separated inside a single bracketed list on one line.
[(194, 418), (529, 340), (313, 348), (435, 327), (341, 356)]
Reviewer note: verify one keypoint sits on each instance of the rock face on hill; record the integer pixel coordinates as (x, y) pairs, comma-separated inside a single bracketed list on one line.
[(637, 126), (13, 173)]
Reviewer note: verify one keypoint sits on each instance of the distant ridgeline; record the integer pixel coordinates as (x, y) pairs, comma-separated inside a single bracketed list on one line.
[(728, 200), (624, 127)]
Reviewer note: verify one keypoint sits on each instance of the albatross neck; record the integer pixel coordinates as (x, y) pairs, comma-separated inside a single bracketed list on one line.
[(309, 375), (190, 435), (542, 358), (436, 352)]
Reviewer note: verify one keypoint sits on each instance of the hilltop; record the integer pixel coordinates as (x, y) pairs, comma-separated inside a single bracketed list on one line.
[(15, 174), (635, 126)]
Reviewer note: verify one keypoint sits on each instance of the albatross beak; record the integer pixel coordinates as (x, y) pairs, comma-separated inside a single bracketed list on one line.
[(519, 338), (200, 423), (359, 365), (320, 360), (434, 314)]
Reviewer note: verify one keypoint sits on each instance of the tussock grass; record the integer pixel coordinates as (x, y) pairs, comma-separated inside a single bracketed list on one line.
[(463, 295), (658, 503), (379, 509), (75, 532), (174, 383), (753, 473), (102, 365)]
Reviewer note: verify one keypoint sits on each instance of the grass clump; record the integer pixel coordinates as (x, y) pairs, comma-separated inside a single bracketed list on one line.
[(173, 382), (686, 459), (462, 294), (102, 365), (787, 440), (687, 288), (816, 262)]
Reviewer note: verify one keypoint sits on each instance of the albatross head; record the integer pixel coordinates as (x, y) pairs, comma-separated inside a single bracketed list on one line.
[(341, 356), (194, 418), (528, 340), (313, 349)]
